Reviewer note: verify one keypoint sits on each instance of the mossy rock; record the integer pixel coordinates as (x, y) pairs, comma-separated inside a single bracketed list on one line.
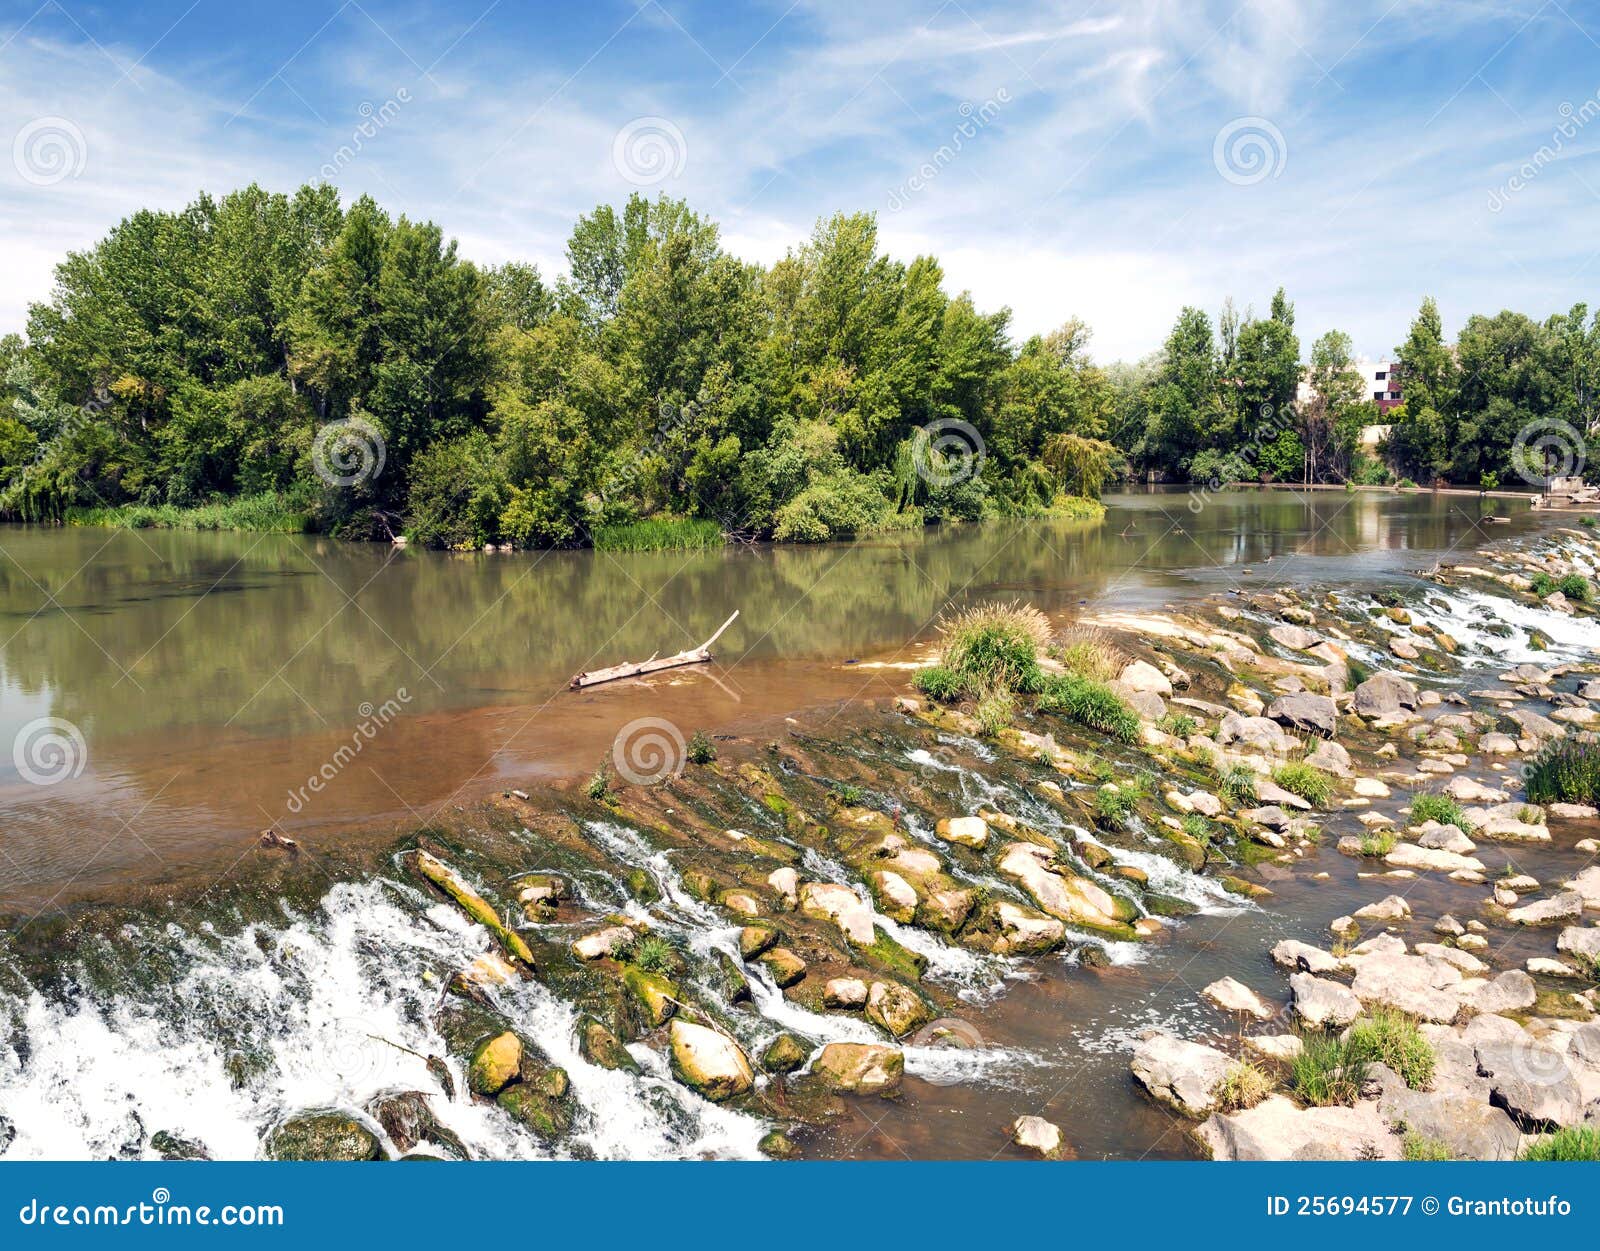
[(546, 1116), (890, 957), (710, 1063), (729, 978), (1161, 905), (785, 1054), (778, 1146), (409, 1121), (755, 939), (786, 967), (1238, 886), (170, 1146), (495, 1062), (323, 1136), (896, 1008), (701, 885), (642, 886), (598, 1045), (656, 996)]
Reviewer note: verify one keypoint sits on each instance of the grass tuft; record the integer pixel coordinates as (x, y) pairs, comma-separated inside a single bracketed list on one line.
[(1089, 703), (1440, 808), (1326, 1071), (1574, 1143), (1307, 781), (1566, 770)]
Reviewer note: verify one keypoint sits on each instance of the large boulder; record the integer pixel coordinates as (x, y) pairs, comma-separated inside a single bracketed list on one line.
[(1556, 910), (1532, 1082), (1291, 953), (1383, 695), (1061, 892), (1511, 991), (708, 1062), (1023, 932), (967, 831), (1295, 638), (1421, 987), (1319, 1002), (1278, 1129), (1185, 1076), (1261, 733), (1142, 676), (1301, 710), (1580, 940), (896, 1008), (859, 1068), (323, 1136), (841, 905), (1464, 1122), (1232, 995), (495, 1061)]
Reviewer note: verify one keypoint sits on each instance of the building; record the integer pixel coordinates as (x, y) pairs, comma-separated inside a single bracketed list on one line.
[(1380, 382)]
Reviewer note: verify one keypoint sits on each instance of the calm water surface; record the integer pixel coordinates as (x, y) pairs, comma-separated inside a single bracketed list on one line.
[(211, 675)]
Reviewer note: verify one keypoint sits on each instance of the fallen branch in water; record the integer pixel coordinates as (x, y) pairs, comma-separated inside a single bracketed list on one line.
[(637, 668)]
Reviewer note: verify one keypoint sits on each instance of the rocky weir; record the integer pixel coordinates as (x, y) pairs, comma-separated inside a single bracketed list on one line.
[(1321, 797)]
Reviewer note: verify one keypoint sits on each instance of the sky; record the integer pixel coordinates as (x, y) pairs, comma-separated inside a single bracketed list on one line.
[(1109, 161)]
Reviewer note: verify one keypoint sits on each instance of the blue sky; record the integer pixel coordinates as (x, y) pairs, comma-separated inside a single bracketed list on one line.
[(1105, 170)]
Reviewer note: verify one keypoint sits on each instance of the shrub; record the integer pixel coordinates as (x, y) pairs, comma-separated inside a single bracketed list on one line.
[(702, 751), (1385, 1036), (1238, 784), (1089, 653), (994, 710), (1566, 770), (1419, 1147), (1543, 584), (1179, 724), (1244, 1086), (1113, 806), (1440, 808), (1377, 843), (938, 682), (1577, 588), (1406, 484), (1325, 1071), (1578, 1142), (1307, 781), (599, 784), (1089, 703), (995, 643), (654, 954)]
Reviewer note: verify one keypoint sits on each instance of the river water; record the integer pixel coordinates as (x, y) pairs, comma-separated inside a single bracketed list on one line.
[(210, 675), (205, 678)]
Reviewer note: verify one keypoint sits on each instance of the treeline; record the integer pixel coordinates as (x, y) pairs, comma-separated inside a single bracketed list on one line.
[(1512, 400), (305, 359)]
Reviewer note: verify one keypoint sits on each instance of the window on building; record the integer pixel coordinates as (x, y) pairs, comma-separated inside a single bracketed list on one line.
[(1381, 375), (1377, 395)]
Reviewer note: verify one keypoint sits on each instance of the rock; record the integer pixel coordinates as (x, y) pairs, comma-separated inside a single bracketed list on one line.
[(1234, 996), (946, 910), (1344, 927), (754, 939), (859, 1068), (895, 1008), (785, 966), (845, 992), (409, 1121), (169, 1146), (841, 905), (1404, 649), (1291, 953), (1320, 1002), (1331, 758), (1543, 966), (1271, 794), (896, 896), (598, 1045), (1555, 910), (1535, 726), (1447, 838), (1533, 1083), (1390, 908), (1183, 1075), (1512, 991), (656, 995), (1144, 677), (1370, 788), (1587, 884), (1411, 856), (777, 1145), (1497, 745), (495, 1061), (1024, 932), (323, 1136), (1466, 1125), (785, 1054), (1383, 695), (1269, 815), (603, 944), (1463, 960), (1280, 1047), (1295, 638), (787, 883), (1573, 812), (967, 831), (1470, 790), (709, 1063), (1205, 803), (1062, 893), (540, 1104), (1580, 940), (1416, 985), (1035, 1134), (1277, 1129), (1448, 925), (1262, 733)]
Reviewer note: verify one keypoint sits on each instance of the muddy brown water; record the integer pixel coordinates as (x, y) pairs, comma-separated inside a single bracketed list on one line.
[(205, 679), (211, 675)]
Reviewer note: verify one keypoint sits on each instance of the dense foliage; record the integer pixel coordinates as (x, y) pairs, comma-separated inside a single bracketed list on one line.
[(237, 347)]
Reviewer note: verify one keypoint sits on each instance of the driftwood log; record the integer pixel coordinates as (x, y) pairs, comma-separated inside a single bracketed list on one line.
[(638, 668)]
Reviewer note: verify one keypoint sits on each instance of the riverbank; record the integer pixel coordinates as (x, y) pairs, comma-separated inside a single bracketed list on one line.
[(974, 915)]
